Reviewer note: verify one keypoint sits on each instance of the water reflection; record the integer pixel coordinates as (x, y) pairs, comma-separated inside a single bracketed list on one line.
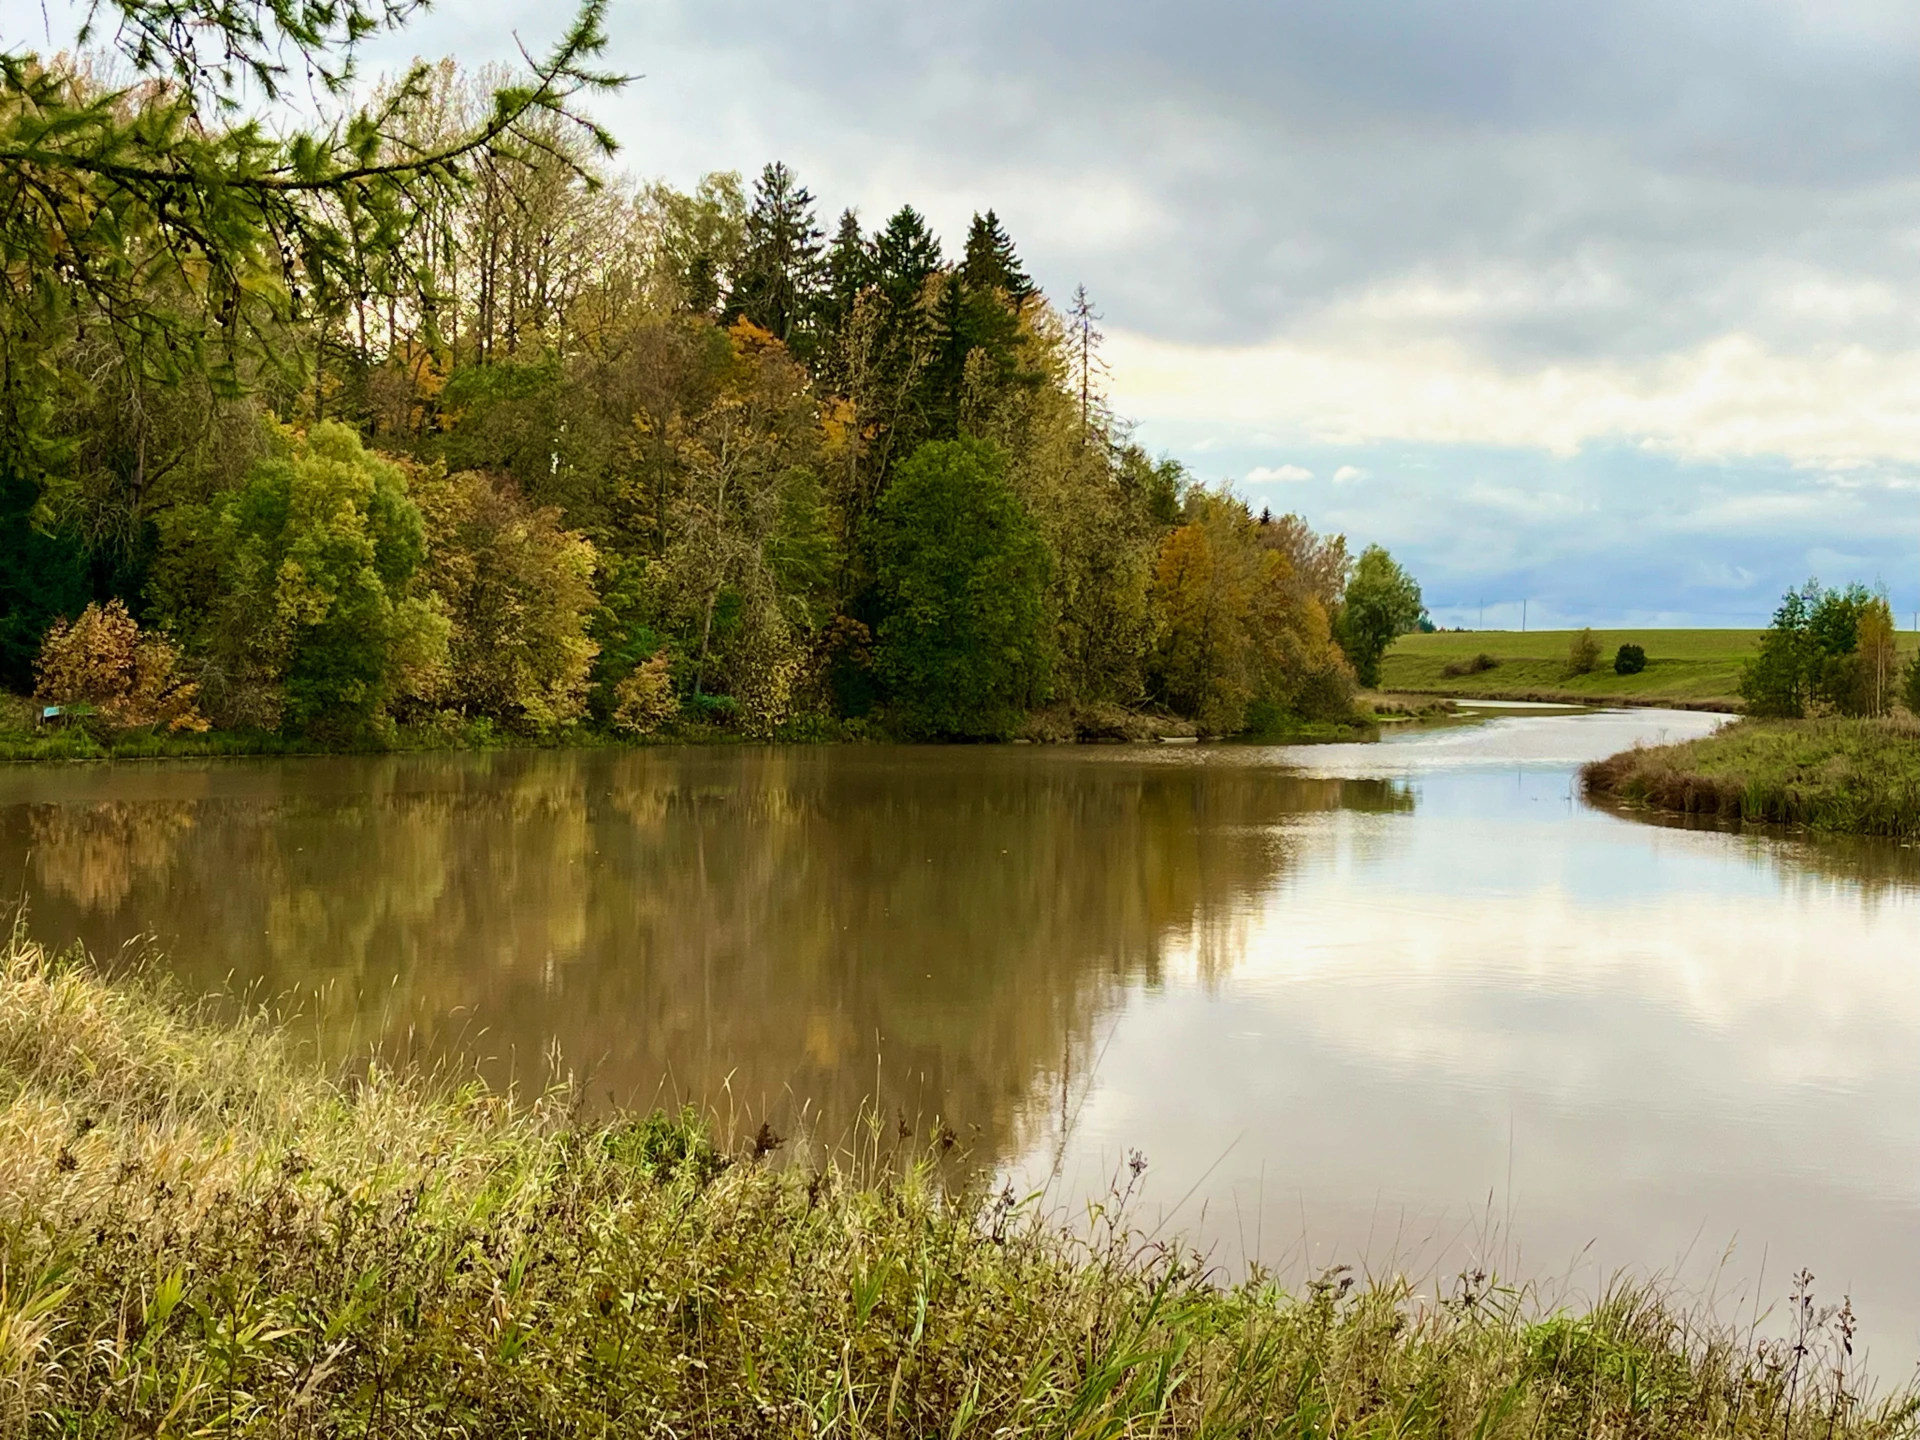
[(1353, 1002), (937, 930)]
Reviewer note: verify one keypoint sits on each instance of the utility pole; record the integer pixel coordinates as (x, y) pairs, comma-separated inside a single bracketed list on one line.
[(1523, 617)]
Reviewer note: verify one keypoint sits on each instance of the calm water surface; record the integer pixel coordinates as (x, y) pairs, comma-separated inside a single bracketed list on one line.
[(1411, 1006)]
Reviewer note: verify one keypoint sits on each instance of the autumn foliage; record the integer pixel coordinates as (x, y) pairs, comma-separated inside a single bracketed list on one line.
[(102, 661), (1240, 635)]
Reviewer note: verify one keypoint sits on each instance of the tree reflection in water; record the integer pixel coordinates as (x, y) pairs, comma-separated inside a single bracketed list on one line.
[(780, 934)]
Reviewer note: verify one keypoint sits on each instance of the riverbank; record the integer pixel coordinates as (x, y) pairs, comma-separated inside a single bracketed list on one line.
[(1686, 669), (1858, 777), (201, 1233), (21, 742)]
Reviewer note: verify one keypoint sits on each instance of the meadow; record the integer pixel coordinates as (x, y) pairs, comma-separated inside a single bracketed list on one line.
[(1687, 669), (201, 1233)]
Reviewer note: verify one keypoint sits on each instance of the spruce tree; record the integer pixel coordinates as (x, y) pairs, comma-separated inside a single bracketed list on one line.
[(849, 270), (906, 255), (991, 262), (780, 271)]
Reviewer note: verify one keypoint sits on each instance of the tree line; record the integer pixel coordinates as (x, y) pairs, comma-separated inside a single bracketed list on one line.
[(426, 417), (1830, 652)]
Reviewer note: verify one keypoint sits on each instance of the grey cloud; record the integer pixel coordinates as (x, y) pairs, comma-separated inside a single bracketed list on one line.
[(1626, 177)]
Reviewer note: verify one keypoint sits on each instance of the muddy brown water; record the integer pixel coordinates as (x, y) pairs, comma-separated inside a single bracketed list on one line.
[(1411, 1006)]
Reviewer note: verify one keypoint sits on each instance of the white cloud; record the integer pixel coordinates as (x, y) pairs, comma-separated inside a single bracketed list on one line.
[(1350, 475), (1261, 474), (1732, 397)]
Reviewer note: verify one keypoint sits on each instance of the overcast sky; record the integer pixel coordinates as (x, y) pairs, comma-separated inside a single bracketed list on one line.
[(1612, 305)]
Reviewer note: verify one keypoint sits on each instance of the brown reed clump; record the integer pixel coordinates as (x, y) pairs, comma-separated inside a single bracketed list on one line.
[(200, 1235)]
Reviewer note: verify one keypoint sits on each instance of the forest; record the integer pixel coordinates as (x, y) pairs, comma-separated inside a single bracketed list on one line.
[(427, 419)]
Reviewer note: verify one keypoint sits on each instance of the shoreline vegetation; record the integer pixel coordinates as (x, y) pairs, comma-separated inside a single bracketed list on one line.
[(1830, 741), (1857, 776), (737, 469), (202, 1234), (1055, 725)]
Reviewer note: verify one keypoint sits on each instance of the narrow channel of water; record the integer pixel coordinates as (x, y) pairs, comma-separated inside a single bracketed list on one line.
[(1408, 1006)]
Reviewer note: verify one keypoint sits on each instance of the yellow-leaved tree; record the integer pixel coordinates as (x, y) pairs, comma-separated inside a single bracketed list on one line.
[(128, 679), (1240, 639)]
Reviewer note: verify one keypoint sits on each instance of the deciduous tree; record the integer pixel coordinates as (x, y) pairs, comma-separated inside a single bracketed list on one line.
[(962, 575), (1382, 603)]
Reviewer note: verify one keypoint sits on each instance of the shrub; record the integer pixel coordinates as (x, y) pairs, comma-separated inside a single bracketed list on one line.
[(644, 701), (131, 680), (1478, 665), (1910, 686), (1584, 656), (1629, 660)]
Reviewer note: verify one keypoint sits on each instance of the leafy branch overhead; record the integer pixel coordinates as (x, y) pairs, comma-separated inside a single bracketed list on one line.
[(185, 227)]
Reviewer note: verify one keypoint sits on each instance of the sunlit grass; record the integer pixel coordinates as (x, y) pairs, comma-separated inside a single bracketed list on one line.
[(199, 1234), (1684, 667)]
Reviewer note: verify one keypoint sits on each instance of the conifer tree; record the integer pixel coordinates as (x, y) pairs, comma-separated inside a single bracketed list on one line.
[(780, 269), (906, 255), (849, 270), (991, 262)]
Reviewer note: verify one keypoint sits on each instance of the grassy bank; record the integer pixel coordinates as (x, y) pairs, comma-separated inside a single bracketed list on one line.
[(1697, 669), (1859, 777), (199, 1235), (22, 742)]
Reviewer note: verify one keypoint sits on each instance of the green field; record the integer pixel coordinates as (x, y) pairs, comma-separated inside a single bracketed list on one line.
[(1692, 669)]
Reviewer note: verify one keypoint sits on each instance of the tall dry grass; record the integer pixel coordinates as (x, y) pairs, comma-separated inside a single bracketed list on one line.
[(1859, 777), (200, 1235)]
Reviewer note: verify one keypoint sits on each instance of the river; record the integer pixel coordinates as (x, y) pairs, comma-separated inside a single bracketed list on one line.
[(1411, 1006)]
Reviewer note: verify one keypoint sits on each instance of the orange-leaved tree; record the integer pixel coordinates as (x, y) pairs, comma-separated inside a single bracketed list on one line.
[(128, 678)]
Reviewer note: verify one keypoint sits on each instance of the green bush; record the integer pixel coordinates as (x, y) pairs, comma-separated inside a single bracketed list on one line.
[(1584, 655), (1629, 660)]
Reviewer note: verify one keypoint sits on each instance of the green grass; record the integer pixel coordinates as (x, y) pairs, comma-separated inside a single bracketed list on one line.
[(1858, 777), (1685, 668), (202, 1235)]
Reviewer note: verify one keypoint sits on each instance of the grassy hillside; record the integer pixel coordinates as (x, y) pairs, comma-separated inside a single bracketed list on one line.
[(1688, 669), (200, 1236), (1857, 777), (1691, 668)]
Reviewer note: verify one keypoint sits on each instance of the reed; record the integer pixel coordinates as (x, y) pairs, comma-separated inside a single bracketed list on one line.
[(201, 1234), (1858, 777)]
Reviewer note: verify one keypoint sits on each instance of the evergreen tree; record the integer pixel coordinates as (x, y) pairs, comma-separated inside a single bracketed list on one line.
[(982, 342), (906, 255), (779, 272), (43, 578), (991, 263), (849, 270)]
